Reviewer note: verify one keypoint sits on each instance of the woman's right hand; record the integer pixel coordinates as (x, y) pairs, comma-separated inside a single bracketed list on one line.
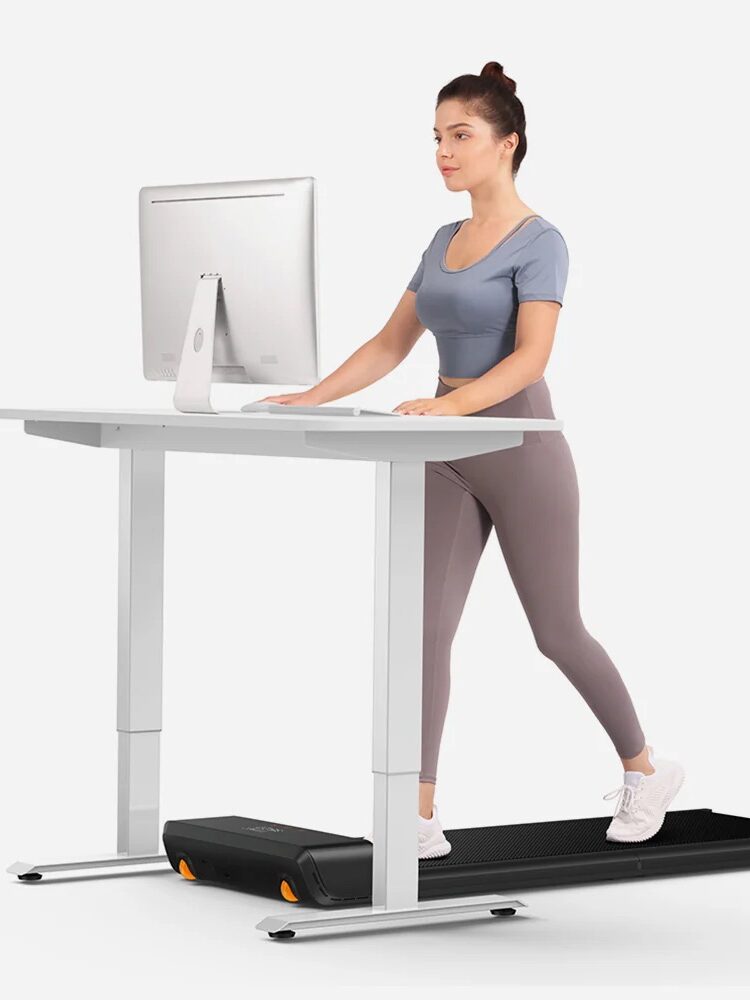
[(291, 398)]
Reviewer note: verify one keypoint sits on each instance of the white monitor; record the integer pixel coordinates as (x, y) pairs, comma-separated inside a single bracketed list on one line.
[(229, 285)]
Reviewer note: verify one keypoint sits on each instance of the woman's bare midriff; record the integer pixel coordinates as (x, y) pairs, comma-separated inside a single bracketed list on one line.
[(456, 382)]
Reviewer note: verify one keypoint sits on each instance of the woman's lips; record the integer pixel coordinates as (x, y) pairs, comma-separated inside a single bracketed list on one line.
[(448, 170)]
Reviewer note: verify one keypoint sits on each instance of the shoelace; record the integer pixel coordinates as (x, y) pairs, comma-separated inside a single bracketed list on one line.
[(629, 797)]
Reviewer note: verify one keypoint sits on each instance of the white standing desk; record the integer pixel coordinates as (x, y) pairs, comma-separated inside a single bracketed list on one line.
[(399, 445)]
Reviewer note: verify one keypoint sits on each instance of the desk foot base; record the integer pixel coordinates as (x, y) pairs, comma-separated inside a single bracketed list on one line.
[(28, 872), (286, 925)]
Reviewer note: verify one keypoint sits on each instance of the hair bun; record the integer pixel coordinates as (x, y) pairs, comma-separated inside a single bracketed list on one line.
[(495, 70)]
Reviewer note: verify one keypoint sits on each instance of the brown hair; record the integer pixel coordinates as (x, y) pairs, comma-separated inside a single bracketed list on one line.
[(492, 96)]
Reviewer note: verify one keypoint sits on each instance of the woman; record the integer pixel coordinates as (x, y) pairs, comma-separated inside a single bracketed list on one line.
[(490, 288)]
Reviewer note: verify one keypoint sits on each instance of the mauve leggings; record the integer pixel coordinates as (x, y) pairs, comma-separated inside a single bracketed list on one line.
[(529, 493)]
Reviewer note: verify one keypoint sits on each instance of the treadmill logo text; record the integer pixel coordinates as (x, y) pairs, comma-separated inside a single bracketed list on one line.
[(264, 829)]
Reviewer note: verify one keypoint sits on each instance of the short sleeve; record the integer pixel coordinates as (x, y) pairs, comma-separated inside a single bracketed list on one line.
[(416, 280), (543, 272)]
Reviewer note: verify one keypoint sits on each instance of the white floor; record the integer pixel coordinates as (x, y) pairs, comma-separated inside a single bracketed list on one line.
[(144, 933)]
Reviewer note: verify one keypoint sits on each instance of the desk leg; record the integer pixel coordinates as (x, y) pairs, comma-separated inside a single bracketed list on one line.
[(139, 669), (397, 674), (139, 650), (397, 719)]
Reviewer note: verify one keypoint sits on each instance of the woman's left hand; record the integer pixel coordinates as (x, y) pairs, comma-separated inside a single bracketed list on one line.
[(440, 406)]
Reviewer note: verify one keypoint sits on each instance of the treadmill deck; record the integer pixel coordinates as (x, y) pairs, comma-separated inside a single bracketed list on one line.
[(318, 868)]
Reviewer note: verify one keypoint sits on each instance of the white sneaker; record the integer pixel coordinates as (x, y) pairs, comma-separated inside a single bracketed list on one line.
[(431, 842), (430, 837), (644, 800)]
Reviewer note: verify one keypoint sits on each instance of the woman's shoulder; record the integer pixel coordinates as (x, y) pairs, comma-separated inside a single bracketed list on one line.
[(542, 235), (439, 232)]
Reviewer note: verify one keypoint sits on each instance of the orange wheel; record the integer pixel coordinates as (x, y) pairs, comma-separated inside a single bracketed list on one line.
[(287, 892), (185, 869)]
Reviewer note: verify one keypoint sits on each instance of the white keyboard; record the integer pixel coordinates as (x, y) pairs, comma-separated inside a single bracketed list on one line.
[(322, 411)]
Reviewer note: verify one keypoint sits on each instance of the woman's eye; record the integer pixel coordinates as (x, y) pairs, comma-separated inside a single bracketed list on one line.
[(437, 137)]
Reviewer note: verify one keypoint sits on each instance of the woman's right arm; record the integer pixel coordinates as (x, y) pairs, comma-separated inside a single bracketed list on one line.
[(374, 359)]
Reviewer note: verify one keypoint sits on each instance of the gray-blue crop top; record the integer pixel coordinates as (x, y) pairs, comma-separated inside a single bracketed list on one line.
[(472, 310)]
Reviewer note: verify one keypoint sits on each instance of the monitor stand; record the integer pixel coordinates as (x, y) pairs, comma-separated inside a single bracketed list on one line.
[(207, 315)]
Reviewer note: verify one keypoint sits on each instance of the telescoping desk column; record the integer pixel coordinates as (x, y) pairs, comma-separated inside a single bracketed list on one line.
[(399, 446)]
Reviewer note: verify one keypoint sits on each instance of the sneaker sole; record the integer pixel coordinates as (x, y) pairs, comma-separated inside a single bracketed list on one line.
[(436, 852), (653, 830)]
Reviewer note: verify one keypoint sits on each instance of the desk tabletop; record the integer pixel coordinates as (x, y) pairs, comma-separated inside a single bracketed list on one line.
[(265, 422), (397, 438)]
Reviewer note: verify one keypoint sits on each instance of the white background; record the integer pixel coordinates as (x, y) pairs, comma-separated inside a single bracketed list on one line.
[(637, 152)]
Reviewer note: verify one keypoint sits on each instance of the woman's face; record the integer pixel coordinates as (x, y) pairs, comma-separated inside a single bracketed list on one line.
[(467, 144)]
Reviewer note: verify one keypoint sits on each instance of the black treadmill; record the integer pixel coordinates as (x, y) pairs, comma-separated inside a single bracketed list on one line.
[(326, 869)]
